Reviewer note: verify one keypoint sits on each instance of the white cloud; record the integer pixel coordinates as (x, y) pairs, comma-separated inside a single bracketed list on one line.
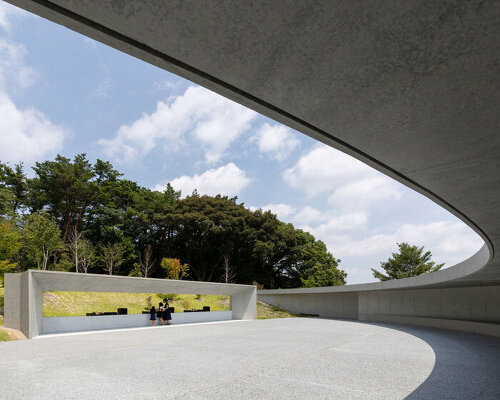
[(102, 90), (365, 192), (6, 12), (283, 211), (338, 226), (307, 215), (210, 118), (14, 73), (227, 180), (27, 135), (449, 242), (276, 140), (165, 84), (323, 169)]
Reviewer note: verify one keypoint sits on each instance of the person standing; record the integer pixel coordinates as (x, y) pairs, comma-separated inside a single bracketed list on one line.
[(160, 313), (153, 315), (167, 315)]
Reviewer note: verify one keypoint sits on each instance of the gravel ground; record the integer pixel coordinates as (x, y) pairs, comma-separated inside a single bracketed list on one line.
[(306, 358)]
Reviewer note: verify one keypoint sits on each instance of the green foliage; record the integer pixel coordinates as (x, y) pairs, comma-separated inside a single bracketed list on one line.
[(41, 239), (174, 269), (10, 243), (13, 189), (136, 271), (105, 221), (410, 261), (112, 256), (65, 304), (324, 272)]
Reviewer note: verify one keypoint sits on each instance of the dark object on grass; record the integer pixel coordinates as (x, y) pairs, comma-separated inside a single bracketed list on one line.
[(109, 313), (146, 312), (206, 308), (91, 314), (122, 311)]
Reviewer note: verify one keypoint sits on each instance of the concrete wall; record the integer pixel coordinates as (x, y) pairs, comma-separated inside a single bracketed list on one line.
[(12, 301), (468, 309), (25, 294), (480, 304), (335, 305), (77, 324)]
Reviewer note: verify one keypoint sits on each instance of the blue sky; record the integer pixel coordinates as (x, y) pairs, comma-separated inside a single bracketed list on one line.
[(61, 92)]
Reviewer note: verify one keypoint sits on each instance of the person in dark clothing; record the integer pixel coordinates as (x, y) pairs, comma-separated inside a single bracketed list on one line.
[(160, 313), (153, 315), (167, 316)]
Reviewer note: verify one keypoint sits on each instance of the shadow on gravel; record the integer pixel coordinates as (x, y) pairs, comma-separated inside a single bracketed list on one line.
[(467, 365)]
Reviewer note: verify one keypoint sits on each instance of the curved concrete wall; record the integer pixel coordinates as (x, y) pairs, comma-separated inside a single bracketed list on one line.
[(412, 91), (468, 309), (442, 299)]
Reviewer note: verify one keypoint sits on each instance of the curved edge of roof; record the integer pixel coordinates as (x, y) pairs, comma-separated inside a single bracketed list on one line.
[(119, 41), (450, 274)]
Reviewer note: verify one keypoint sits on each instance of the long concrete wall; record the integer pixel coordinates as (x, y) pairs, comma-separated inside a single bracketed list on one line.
[(78, 324), (24, 294), (468, 309)]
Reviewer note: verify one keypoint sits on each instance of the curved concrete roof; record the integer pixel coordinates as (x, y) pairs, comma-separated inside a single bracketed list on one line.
[(411, 88)]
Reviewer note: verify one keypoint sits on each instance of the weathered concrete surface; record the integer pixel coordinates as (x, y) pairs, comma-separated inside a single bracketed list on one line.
[(34, 283), (294, 358), (89, 323), (12, 301), (467, 309), (411, 88)]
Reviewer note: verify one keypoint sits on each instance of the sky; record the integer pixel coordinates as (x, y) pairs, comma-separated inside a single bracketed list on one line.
[(63, 93)]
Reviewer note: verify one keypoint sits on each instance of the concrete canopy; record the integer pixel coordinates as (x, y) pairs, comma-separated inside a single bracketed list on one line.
[(410, 88)]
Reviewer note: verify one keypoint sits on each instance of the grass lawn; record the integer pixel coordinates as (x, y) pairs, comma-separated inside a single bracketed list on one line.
[(267, 311), (67, 304), (4, 336)]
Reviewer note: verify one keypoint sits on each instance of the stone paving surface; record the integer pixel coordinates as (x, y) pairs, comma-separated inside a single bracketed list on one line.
[(296, 358)]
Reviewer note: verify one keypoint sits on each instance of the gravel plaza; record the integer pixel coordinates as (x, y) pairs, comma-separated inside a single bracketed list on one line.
[(306, 358)]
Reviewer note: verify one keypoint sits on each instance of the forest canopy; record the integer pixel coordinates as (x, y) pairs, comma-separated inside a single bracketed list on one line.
[(73, 215)]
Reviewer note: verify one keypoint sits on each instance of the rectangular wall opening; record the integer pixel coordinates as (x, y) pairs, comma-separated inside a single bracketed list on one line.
[(77, 304)]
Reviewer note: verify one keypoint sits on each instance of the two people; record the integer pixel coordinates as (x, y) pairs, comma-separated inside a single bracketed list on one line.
[(163, 313)]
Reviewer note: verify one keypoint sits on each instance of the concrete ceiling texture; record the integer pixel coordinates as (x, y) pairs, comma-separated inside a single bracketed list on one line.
[(411, 88)]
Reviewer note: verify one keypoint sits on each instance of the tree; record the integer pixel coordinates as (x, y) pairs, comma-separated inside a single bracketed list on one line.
[(10, 243), (174, 268), (112, 256), (228, 275), (87, 255), (69, 190), (42, 239), (146, 261), (408, 262), (324, 271), (13, 189), (74, 245)]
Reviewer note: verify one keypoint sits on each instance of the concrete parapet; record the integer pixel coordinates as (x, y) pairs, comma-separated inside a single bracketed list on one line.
[(468, 309), (78, 324), (24, 293)]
